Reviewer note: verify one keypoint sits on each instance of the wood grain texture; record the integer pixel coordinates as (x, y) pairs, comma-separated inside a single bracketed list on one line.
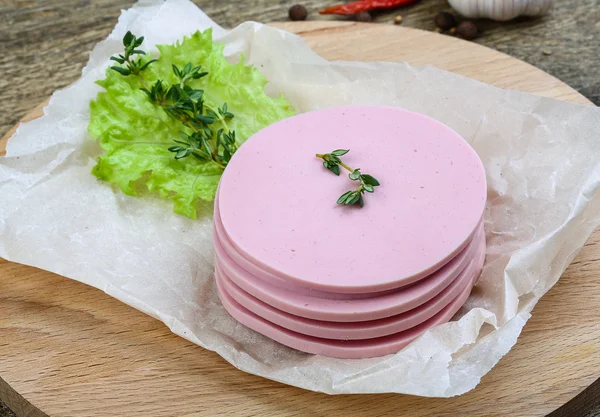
[(68, 349)]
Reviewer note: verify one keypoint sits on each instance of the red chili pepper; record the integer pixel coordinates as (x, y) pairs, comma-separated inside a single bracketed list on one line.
[(365, 6)]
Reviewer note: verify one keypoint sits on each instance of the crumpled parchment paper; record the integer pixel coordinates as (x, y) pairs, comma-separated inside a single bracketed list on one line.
[(542, 162)]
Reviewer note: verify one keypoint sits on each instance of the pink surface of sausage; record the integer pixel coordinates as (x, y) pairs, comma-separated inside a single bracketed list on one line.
[(278, 205)]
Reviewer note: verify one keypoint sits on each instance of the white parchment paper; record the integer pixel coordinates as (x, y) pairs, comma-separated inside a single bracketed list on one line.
[(541, 157)]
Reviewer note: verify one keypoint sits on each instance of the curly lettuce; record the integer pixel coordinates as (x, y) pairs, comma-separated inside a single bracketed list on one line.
[(136, 134)]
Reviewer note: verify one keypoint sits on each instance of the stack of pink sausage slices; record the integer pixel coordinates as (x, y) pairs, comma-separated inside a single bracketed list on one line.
[(343, 280)]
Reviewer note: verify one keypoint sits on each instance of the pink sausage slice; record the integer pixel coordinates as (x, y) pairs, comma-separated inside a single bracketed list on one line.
[(278, 203)]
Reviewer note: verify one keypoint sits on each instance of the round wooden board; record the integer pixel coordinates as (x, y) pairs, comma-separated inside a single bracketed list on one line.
[(68, 349)]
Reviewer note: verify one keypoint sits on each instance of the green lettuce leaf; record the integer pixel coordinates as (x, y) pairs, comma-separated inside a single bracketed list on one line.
[(135, 134)]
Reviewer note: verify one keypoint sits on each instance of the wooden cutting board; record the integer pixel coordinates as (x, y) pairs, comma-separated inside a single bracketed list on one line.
[(68, 349)]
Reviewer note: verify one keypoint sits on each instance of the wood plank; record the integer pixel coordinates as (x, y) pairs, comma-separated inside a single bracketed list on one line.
[(68, 349)]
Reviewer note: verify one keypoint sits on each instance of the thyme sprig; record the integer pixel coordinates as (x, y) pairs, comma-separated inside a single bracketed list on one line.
[(132, 66), (367, 182), (199, 136)]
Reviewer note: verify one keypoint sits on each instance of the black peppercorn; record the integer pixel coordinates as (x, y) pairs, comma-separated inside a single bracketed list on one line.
[(467, 30), (363, 17), (445, 20), (298, 12)]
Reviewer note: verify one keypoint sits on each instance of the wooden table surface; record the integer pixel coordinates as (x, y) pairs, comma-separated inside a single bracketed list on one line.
[(44, 44)]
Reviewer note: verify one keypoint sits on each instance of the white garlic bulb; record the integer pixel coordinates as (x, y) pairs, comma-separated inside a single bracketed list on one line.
[(500, 9)]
